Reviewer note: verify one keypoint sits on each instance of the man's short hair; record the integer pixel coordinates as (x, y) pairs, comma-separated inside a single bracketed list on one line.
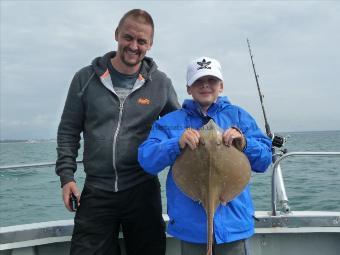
[(139, 15)]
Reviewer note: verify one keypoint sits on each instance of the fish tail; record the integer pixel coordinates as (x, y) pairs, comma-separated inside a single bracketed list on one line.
[(210, 231)]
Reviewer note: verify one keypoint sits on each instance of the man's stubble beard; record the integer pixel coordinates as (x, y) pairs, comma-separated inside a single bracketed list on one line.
[(122, 58)]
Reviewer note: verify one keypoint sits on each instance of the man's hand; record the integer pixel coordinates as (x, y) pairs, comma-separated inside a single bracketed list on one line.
[(233, 136), (191, 138), (69, 189)]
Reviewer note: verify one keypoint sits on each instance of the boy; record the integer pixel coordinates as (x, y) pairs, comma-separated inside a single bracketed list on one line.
[(233, 222)]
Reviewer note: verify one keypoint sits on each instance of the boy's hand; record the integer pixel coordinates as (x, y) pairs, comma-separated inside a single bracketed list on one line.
[(191, 138), (233, 136)]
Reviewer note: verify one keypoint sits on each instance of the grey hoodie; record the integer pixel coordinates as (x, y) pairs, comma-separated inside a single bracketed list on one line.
[(112, 130)]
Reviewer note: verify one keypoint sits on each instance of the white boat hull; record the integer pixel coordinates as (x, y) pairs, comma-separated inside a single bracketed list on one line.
[(299, 233)]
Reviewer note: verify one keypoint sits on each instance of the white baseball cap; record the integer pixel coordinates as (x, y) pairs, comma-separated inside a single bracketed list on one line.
[(201, 67)]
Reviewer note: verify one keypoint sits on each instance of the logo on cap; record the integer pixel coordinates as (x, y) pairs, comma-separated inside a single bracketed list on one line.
[(204, 64)]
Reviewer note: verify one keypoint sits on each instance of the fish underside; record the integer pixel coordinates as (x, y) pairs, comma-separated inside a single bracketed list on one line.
[(211, 174)]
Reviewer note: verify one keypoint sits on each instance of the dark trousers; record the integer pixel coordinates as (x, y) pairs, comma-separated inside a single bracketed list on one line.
[(138, 211)]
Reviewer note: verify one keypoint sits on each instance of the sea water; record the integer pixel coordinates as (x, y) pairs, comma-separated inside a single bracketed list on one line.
[(34, 194)]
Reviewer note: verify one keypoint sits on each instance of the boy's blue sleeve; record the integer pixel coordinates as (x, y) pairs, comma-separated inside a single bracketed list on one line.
[(258, 148), (159, 150)]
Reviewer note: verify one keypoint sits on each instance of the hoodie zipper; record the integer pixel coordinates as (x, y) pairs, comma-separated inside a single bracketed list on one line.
[(107, 82), (121, 108)]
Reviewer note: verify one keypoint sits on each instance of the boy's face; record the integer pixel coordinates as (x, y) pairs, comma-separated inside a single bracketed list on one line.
[(205, 90)]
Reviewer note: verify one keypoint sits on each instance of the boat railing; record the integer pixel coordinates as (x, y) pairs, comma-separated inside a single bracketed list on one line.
[(278, 191), (44, 164), (279, 195)]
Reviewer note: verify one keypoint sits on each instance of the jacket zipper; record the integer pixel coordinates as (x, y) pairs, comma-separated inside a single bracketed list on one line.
[(115, 143), (121, 108)]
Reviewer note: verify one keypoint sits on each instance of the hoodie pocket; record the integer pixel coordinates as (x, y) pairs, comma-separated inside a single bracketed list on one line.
[(98, 157)]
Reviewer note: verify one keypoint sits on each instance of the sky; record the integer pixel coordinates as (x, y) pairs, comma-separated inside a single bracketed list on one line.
[(295, 46)]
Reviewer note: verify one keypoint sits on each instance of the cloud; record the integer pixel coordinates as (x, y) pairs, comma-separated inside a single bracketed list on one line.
[(294, 45)]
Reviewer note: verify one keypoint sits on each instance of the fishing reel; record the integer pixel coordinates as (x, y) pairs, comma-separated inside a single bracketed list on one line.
[(277, 140)]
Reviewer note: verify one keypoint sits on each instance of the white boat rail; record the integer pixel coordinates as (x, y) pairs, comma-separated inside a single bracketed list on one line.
[(278, 187), (32, 165)]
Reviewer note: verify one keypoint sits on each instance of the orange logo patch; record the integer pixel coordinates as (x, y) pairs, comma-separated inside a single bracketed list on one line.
[(143, 101)]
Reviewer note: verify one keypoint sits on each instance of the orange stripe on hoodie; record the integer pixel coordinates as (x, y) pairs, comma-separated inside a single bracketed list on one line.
[(140, 77), (104, 75)]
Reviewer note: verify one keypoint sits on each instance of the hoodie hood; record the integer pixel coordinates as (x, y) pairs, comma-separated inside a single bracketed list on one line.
[(193, 108), (100, 65)]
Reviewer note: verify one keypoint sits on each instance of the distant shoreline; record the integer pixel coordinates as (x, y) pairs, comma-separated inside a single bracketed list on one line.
[(27, 140), (55, 140)]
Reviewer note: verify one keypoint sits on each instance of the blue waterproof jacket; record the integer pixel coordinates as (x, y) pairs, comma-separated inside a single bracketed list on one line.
[(188, 221)]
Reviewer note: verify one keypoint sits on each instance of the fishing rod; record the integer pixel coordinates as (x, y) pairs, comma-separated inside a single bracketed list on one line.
[(278, 187), (277, 140)]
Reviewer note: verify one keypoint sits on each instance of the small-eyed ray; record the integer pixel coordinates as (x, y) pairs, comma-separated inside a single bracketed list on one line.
[(212, 174)]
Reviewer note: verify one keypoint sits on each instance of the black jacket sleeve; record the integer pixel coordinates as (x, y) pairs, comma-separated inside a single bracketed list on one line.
[(69, 130)]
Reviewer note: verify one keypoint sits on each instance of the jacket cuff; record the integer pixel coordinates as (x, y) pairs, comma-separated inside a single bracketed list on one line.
[(174, 147), (66, 176), (245, 145)]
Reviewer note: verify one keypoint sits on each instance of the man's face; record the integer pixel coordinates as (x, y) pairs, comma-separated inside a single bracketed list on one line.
[(205, 90), (134, 40)]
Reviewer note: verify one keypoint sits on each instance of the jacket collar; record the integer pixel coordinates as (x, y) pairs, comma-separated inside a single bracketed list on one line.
[(193, 108), (100, 65)]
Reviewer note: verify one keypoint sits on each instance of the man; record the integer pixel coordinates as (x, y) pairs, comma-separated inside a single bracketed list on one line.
[(114, 102), (233, 222)]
